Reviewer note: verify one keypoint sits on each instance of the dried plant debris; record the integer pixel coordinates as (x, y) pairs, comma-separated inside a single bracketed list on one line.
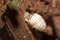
[(32, 6), (2, 10)]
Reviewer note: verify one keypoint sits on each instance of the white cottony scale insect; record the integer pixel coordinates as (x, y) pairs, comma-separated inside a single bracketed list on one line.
[(36, 21)]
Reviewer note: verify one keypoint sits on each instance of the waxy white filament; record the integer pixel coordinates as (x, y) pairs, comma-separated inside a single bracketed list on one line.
[(36, 21)]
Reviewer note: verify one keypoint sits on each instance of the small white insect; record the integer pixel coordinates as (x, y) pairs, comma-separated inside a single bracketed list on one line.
[(36, 21)]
